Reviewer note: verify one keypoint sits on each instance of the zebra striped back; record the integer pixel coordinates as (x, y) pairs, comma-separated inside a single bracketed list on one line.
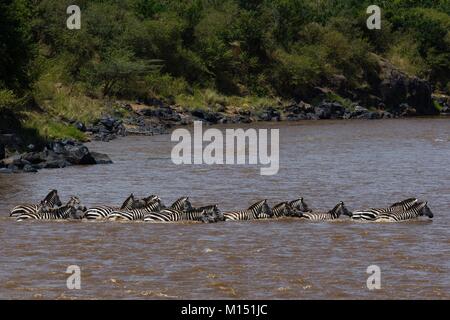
[(299, 206), (282, 210), (333, 214), (416, 211), (372, 214), (65, 212), (135, 214), (102, 212), (257, 210), (172, 215), (50, 200), (182, 204), (211, 213)]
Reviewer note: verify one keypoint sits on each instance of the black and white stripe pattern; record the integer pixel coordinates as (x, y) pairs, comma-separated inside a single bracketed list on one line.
[(50, 201), (372, 214), (256, 211), (281, 210), (102, 212), (206, 214), (182, 204), (135, 214), (333, 214), (417, 210), (299, 206), (44, 213)]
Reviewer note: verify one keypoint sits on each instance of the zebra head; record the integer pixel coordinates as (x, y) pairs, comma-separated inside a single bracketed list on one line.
[(213, 213), (283, 209), (151, 199), (299, 205), (52, 199), (261, 208), (73, 201), (424, 210), (78, 213), (340, 209)]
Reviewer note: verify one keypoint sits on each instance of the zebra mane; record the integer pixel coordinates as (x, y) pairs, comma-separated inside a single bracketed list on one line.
[(128, 202), (280, 205), (50, 196), (257, 205), (179, 201), (336, 207), (404, 202), (419, 205)]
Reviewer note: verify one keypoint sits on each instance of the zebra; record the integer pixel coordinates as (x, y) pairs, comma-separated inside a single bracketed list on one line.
[(135, 214), (333, 214), (280, 210), (298, 207), (208, 214), (211, 212), (414, 212), (182, 204), (372, 214), (258, 210), (65, 212), (102, 212), (51, 200)]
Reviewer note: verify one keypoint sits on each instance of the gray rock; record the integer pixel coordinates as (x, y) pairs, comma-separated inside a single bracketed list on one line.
[(101, 158), (80, 126), (360, 109), (54, 164), (445, 110), (5, 170), (386, 115), (29, 168), (78, 155)]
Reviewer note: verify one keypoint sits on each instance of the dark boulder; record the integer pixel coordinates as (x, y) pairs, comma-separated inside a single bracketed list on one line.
[(386, 115), (312, 116), (395, 87), (268, 114), (209, 116), (80, 126), (108, 122), (101, 158), (165, 113), (329, 110), (2, 151), (78, 154), (54, 164)]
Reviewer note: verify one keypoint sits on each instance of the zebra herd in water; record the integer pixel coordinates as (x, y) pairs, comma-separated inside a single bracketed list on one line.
[(152, 209)]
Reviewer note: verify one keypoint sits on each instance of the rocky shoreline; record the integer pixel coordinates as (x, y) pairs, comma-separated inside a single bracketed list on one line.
[(155, 117)]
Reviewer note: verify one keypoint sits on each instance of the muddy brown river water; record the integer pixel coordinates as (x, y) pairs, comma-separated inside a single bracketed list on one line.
[(363, 163)]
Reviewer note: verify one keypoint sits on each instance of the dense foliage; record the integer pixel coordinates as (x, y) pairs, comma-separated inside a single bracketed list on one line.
[(174, 48)]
